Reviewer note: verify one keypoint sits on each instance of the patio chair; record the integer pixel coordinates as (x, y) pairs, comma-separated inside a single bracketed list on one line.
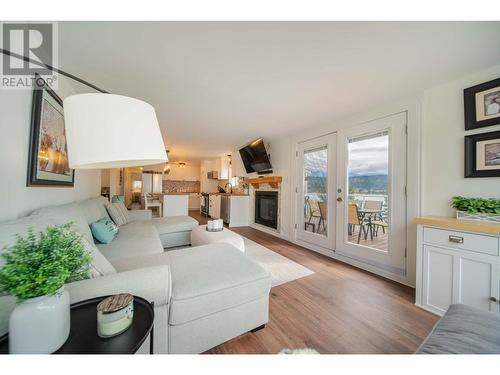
[(322, 206), (378, 219), (374, 205), (376, 224), (307, 211), (312, 209), (353, 219)]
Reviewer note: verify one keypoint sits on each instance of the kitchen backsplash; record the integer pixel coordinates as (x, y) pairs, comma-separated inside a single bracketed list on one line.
[(241, 186), (173, 186)]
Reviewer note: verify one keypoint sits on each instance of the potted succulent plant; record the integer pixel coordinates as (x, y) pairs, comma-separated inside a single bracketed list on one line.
[(36, 268), (477, 208)]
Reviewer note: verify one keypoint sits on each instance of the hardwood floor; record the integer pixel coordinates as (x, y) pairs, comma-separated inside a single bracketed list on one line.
[(338, 309)]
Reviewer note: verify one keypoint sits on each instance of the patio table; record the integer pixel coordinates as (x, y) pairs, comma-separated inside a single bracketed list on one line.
[(370, 212)]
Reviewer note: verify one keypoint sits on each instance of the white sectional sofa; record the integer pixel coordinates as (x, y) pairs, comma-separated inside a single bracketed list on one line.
[(203, 295)]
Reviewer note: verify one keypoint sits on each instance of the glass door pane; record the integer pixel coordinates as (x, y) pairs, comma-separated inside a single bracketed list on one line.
[(368, 191), (315, 187), (315, 190)]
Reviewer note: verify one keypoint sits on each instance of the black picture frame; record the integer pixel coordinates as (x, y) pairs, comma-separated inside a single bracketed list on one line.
[(470, 110), (471, 155), (40, 90)]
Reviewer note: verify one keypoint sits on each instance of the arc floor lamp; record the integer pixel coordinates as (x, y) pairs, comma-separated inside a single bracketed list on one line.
[(104, 130)]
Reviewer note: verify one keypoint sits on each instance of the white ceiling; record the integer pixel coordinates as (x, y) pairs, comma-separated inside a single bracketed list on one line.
[(218, 85)]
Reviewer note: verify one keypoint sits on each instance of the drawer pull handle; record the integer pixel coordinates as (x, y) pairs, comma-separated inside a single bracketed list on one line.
[(493, 299), (456, 239)]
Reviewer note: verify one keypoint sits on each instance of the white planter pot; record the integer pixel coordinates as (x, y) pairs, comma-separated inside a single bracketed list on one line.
[(40, 325), (464, 215)]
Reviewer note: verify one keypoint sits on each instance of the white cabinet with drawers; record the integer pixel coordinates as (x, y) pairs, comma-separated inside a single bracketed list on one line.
[(457, 264)]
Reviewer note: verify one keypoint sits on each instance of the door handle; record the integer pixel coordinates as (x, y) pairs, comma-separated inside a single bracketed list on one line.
[(493, 299), (339, 199)]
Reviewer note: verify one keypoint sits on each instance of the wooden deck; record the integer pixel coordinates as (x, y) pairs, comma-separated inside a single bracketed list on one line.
[(379, 242), (338, 309)]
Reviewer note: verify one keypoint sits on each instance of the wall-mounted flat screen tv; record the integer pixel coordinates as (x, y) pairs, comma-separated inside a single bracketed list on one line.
[(255, 157)]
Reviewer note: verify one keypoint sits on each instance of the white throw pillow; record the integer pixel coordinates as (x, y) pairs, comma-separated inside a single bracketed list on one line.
[(118, 213)]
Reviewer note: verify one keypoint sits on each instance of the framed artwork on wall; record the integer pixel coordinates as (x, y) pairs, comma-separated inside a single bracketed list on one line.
[(482, 105), (48, 151), (482, 155)]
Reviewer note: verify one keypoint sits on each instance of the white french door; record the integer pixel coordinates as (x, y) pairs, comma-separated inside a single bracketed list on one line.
[(316, 191), (371, 193)]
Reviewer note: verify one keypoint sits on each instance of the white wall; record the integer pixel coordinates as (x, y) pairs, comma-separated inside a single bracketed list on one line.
[(15, 122), (105, 177), (443, 146), (188, 173)]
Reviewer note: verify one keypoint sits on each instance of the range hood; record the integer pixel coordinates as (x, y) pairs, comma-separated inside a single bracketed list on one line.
[(213, 175)]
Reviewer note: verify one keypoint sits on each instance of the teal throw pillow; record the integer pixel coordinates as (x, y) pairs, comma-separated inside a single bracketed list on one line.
[(104, 230), (118, 198)]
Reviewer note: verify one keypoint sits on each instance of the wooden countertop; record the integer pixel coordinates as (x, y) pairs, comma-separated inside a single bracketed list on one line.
[(465, 225)]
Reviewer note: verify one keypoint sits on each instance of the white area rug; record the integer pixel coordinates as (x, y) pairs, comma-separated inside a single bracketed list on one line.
[(282, 269)]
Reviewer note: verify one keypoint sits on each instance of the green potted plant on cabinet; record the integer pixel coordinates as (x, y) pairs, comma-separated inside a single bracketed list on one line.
[(485, 209), (36, 268)]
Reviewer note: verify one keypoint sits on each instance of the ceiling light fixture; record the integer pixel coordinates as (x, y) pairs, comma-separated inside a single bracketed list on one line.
[(166, 169)]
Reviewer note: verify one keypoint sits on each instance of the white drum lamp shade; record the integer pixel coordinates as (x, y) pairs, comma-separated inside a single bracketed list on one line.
[(111, 131)]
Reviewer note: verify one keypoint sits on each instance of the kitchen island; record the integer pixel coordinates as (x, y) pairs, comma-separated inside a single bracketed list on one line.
[(175, 204)]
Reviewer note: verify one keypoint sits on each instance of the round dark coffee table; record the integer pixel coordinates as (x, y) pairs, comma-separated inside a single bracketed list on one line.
[(83, 338)]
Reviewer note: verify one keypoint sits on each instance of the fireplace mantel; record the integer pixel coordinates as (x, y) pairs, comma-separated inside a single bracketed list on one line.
[(274, 181)]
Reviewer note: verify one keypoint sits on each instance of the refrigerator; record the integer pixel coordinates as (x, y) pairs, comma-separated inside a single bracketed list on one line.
[(152, 183)]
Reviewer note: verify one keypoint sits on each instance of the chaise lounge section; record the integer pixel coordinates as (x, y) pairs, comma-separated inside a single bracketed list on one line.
[(203, 295), (174, 231)]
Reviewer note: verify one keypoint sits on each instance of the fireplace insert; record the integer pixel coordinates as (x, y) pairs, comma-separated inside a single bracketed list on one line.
[(266, 208)]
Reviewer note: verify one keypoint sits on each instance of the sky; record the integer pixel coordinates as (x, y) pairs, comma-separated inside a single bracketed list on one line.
[(367, 157)]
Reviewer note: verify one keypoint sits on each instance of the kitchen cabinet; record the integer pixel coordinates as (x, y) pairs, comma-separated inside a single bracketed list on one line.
[(457, 266), (222, 167), (237, 167), (235, 211)]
